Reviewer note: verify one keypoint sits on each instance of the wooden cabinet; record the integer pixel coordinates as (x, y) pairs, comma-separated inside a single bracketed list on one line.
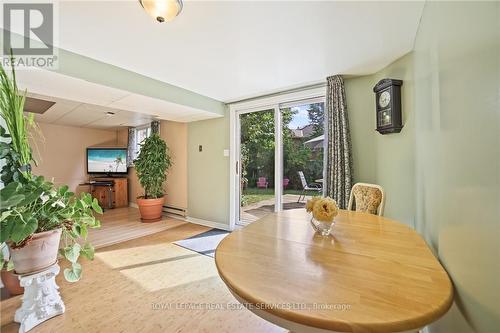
[(120, 192), (110, 192), (103, 194)]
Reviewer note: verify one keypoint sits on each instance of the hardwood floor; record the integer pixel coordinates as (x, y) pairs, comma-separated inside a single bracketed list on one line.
[(123, 224), (145, 285)]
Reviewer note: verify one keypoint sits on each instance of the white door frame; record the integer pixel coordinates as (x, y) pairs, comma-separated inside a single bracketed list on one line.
[(277, 157), (266, 103)]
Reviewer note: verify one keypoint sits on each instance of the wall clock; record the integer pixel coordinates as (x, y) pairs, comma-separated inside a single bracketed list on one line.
[(388, 106)]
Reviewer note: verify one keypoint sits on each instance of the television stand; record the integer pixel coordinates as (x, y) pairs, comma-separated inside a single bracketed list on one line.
[(110, 192), (110, 175)]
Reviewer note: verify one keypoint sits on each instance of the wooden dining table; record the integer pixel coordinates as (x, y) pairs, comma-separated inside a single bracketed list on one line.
[(372, 274)]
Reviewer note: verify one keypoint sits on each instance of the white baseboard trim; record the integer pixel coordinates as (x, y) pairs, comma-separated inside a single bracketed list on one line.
[(194, 220), (174, 216), (208, 223)]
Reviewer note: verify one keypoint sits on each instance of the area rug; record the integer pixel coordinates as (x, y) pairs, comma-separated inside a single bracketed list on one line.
[(204, 243)]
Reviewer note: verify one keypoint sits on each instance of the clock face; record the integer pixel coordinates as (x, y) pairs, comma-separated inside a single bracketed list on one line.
[(384, 99)]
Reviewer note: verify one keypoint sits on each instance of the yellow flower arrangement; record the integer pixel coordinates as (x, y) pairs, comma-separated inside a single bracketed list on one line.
[(310, 204), (323, 209)]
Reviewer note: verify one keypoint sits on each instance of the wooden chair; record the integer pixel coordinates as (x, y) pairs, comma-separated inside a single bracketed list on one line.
[(369, 198)]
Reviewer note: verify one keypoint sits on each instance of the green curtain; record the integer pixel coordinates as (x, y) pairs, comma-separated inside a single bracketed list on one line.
[(131, 148), (155, 127), (338, 150)]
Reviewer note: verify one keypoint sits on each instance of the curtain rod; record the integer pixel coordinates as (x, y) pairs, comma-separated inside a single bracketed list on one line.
[(312, 86)]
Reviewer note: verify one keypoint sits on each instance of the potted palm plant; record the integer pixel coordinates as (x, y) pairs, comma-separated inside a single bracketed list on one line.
[(152, 166), (34, 214)]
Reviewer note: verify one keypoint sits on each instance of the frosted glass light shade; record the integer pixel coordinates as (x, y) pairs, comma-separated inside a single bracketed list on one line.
[(162, 10)]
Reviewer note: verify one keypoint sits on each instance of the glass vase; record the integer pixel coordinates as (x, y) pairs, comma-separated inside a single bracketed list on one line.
[(322, 228)]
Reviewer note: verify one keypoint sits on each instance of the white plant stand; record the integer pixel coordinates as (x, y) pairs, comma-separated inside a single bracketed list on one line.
[(41, 299)]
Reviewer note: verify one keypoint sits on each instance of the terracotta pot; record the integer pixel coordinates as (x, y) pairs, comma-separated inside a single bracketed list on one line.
[(38, 254), (150, 209), (11, 282)]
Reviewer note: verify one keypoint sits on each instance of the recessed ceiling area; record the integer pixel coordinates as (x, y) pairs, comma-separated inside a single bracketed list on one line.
[(71, 113), (83, 103), (229, 50)]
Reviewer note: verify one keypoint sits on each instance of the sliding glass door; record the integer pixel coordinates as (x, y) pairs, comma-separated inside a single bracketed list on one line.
[(256, 164), (279, 158), (302, 140)]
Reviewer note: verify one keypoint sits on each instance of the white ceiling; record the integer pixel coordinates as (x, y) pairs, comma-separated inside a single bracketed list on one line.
[(229, 50)]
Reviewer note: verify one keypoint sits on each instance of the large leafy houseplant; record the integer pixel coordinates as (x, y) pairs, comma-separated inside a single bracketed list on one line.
[(30, 205), (152, 165), (16, 152)]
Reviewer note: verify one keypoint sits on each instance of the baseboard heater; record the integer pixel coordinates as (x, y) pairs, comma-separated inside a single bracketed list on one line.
[(175, 210)]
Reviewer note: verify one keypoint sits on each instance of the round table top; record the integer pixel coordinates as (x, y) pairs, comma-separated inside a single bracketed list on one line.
[(374, 274)]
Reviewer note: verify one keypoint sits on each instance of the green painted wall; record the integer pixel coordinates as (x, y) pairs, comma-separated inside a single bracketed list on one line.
[(442, 172), (387, 160), (208, 171), (361, 113), (457, 108)]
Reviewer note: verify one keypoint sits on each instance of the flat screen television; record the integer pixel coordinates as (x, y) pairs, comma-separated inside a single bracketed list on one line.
[(108, 161)]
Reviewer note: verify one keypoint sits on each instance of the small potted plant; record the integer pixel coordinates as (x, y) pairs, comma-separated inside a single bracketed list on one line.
[(152, 166), (34, 217), (34, 214)]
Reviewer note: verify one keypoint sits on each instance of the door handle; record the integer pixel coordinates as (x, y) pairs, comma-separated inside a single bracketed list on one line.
[(237, 169)]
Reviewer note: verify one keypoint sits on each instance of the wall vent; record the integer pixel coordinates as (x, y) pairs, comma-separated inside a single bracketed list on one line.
[(175, 210)]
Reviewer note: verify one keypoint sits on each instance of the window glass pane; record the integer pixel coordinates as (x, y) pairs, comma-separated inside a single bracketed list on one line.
[(303, 136), (301, 169), (257, 165)]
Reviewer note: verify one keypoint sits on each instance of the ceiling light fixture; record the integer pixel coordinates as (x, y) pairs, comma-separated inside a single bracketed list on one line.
[(110, 114), (162, 10)]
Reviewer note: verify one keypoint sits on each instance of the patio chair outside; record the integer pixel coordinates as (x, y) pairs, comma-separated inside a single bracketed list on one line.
[(313, 187), (262, 182)]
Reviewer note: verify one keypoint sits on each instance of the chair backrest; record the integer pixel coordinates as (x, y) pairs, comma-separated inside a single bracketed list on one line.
[(262, 180), (302, 179), (286, 181), (369, 198)]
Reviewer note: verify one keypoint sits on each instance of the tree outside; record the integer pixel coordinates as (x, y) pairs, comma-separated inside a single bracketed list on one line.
[(302, 150)]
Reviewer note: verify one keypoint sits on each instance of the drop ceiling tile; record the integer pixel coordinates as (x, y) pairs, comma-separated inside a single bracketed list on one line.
[(81, 116), (57, 111), (121, 118)]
